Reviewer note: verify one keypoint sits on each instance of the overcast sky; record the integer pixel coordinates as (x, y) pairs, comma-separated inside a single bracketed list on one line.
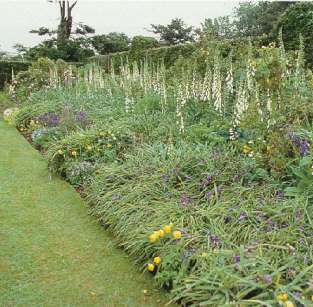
[(17, 17)]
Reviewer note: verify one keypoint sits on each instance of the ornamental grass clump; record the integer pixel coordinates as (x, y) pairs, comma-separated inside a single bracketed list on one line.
[(241, 248)]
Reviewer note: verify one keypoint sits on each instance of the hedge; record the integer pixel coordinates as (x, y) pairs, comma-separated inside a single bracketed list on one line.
[(168, 54), (6, 70)]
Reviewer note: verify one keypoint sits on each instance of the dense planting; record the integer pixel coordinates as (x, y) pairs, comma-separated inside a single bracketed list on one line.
[(202, 170)]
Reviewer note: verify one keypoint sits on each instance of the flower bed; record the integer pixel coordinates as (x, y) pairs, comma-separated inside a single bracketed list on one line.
[(204, 176)]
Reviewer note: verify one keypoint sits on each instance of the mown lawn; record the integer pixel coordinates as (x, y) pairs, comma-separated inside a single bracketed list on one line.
[(52, 253)]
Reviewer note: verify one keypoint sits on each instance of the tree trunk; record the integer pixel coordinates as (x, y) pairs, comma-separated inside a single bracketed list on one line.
[(66, 21)]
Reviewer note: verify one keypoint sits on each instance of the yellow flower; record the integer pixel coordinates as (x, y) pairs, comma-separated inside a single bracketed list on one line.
[(289, 304), (246, 149), (89, 148), (282, 297), (177, 234), (109, 145), (168, 228), (153, 237), (150, 267), (145, 291), (157, 260), (32, 123), (60, 152), (161, 233), (312, 298), (74, 153)]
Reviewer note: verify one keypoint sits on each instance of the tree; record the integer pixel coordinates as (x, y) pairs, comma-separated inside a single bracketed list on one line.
[(65, 26), (174, 33), (108, 43), (140, 42), (73, 50), (255, 19), (217, 28), (297, 20)]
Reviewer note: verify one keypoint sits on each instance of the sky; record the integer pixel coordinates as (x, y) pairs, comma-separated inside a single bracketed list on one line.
[(17, 17)]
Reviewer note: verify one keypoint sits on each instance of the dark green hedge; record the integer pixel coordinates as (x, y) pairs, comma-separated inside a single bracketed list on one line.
[(167, 54), (6, 70)]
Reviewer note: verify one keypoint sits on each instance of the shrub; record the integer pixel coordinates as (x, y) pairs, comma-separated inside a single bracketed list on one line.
[(6, 68)]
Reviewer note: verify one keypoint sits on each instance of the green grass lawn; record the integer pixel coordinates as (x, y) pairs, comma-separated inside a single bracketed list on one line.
[(52, 253)]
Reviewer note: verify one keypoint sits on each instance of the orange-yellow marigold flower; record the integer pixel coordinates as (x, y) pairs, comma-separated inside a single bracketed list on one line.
[(161, 233), (167, 228), (282, 297), (153, 237), (150, 267), (157, 260), (177, 234)]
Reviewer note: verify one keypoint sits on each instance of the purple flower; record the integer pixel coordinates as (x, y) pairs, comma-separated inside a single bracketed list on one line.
[(237, 259), (185, 200), (81, 119), (298, 294), (304, 148), (80, 116), (267, 279), (242, 217), (215, 240), (280, 195), (302, 145), (204, 183), (270, 225), (49, 119)]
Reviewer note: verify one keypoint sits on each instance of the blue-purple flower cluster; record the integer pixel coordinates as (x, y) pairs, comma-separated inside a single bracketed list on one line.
[(303, 145), (49, 119)]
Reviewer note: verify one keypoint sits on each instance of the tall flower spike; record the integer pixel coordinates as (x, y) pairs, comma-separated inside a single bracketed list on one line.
[(207, 85), (300, 62), (241, 103), (217, 85), (180, 102), (282, 53)]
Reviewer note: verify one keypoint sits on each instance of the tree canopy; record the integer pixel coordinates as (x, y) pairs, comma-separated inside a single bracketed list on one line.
[(174, 33)]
